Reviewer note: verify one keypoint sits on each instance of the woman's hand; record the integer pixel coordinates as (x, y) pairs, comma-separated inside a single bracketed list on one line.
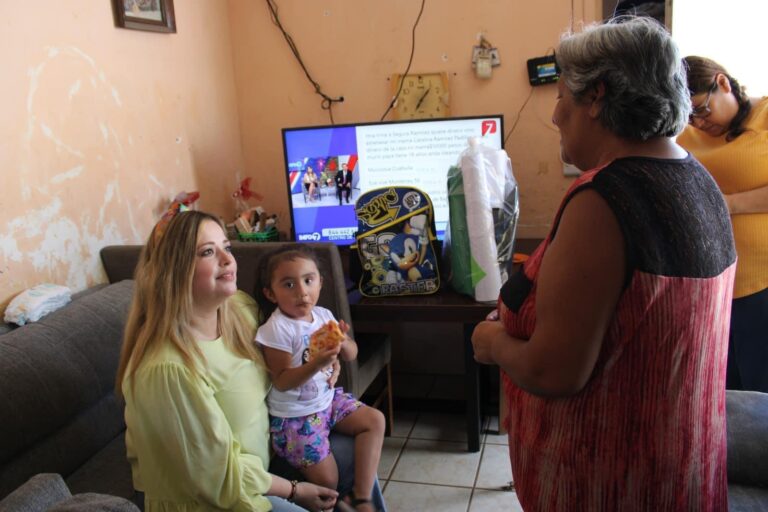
[(484, 337), (313, 497)]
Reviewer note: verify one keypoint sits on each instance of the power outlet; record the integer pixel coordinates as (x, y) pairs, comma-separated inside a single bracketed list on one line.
[(571, 170), (495, 58)]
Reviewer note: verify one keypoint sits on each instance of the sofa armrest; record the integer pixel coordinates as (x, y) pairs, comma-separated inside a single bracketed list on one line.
[(120, 261), (37, 494), (374, 353), (747, 417), (94, 502), (47, 492)]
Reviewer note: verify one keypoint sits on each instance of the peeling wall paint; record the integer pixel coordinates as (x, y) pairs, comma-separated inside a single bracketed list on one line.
[(68, 175), (89, 156), (63, 242)]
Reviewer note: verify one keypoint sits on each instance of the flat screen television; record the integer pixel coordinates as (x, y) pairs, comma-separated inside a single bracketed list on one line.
[(416, 153)]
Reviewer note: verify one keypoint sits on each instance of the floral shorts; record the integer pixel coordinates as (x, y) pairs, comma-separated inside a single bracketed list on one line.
[(303, 441)]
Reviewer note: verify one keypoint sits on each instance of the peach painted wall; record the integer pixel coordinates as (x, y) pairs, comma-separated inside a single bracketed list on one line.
[(101, 127), (353, 48)]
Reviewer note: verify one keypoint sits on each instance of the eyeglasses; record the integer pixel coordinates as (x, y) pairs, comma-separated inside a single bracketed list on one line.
[(703, 110)]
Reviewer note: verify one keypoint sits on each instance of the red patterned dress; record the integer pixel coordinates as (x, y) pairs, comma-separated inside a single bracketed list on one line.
[(647, 432)]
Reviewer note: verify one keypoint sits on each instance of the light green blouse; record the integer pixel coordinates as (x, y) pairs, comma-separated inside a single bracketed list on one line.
[(199, 441)]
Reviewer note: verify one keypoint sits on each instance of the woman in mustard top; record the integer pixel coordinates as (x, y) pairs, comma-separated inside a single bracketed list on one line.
[(728, 134), (194, 384)]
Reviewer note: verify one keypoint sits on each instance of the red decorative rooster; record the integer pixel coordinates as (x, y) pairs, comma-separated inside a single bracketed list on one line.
[(242, 194), (245, 192)]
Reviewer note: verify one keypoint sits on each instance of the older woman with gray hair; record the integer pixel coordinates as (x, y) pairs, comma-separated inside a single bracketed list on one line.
[(613, 335)]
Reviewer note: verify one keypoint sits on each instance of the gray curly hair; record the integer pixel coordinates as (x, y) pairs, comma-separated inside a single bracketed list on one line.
[(646, 92)]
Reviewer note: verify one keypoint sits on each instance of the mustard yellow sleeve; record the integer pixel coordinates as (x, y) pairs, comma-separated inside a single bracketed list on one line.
[(183, 446)]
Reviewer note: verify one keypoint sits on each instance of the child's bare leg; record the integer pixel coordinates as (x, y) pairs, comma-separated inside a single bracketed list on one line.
[(324, 473), (366, 424)]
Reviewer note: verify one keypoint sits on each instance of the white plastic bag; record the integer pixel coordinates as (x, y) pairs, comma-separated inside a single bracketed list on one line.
[(483, 212)]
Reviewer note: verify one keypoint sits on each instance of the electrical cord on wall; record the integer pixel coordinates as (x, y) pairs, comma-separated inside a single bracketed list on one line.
[(327, 102), (517, 119), (572, 14), (520, 112), (410, 61)]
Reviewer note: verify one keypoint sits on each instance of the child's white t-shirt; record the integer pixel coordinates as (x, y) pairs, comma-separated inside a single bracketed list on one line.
[(290, 335)]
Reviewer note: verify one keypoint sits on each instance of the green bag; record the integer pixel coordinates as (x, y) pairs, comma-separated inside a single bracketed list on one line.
[(464, 273)]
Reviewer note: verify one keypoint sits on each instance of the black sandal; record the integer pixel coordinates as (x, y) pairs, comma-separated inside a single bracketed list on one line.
[(354, 501)]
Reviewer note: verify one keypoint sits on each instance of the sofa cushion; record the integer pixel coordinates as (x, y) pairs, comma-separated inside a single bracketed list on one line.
[(93, 502), (38, 493), (743, 498), (107, 472), (747, 413), (57, 386)]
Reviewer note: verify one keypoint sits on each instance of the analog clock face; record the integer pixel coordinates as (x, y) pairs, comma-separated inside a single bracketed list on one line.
[(422, 96)]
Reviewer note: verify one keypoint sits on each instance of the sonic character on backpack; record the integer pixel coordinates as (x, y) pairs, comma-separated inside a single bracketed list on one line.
[(407, 252)]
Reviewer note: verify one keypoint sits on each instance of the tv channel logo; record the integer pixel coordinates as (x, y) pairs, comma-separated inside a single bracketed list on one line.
[(309, 237), (488, 126)]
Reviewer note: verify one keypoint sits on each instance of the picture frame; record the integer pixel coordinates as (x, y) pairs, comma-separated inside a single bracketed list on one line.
[(151, 15)]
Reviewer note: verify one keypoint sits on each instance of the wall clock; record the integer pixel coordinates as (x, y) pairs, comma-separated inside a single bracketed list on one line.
[(423, 96)]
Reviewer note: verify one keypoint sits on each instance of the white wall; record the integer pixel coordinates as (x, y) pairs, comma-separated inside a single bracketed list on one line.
[(732, 32)]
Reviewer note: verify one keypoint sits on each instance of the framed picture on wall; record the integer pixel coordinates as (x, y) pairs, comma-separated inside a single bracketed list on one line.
[(152, 15)]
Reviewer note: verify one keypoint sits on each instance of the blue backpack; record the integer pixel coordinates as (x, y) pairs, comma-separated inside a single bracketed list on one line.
[(395, 235)]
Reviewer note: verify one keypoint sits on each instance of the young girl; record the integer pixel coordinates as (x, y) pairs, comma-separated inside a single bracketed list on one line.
[(303, 406)]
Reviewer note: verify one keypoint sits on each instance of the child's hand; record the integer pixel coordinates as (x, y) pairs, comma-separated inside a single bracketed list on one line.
[(327, 357), (344, 327), (348, 346)]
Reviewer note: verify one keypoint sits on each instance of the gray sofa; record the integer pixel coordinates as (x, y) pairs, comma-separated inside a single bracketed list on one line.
[(58, 409)]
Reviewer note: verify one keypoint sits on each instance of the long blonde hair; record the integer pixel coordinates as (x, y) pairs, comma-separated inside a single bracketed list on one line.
[(161, 310)]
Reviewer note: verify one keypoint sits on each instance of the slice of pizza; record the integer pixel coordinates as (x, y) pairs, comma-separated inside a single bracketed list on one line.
[(326, 337)]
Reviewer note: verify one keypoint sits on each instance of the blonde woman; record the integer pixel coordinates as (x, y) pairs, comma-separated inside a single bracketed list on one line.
[(310, 183), (194, 384)]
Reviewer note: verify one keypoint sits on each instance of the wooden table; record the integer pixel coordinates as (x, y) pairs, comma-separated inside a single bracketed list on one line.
[(444, 306)]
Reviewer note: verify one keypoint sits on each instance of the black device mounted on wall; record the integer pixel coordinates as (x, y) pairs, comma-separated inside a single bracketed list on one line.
[(543, 70)]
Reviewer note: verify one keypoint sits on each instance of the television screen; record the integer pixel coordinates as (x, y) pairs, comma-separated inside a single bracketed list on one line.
[(415, 153)]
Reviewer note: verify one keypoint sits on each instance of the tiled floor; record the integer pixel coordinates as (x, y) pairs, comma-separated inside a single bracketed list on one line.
[(425, 466)]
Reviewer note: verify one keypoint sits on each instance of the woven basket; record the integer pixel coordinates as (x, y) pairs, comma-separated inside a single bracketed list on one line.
[(268, 235)]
